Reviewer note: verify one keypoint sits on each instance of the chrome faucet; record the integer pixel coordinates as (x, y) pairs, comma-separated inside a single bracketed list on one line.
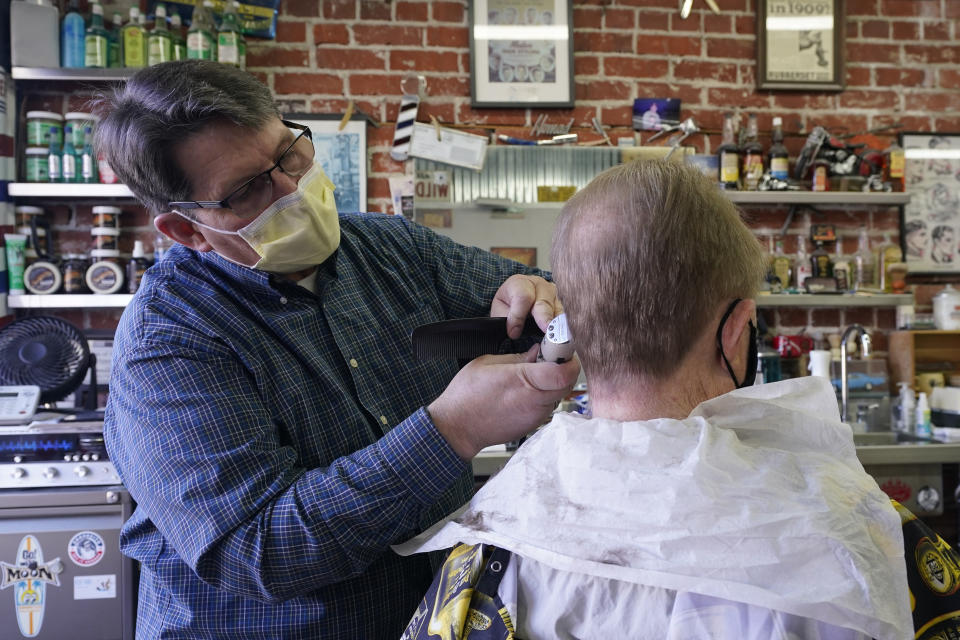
[(864, 352)]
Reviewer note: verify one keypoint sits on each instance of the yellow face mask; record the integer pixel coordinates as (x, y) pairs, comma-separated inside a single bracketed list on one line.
[(298, 231)]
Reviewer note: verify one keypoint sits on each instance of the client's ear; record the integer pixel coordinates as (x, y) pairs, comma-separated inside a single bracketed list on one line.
[(178, 228)]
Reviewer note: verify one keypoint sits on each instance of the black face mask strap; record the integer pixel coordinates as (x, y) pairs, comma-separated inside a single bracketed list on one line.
[(750, 375)]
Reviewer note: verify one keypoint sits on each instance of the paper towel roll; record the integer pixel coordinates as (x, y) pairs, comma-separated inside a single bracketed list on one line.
[(819, 363)]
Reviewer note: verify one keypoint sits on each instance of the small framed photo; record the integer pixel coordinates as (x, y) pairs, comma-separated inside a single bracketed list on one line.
[(521, 53), (343, 155), (800, 45), (524, 255), (930, 225)]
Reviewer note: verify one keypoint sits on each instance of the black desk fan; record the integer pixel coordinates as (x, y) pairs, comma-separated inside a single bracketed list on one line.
[(52, 354)]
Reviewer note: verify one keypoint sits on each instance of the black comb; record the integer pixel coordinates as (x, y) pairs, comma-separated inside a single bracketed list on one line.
[(469, 338)]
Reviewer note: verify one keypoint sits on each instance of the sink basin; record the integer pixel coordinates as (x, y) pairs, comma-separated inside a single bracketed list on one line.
[(874, 438)]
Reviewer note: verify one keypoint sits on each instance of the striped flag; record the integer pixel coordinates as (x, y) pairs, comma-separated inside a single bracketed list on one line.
[(404, 128)]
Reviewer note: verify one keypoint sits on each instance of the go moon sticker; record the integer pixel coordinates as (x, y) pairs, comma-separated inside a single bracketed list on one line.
[(29, 577), (86, 548)]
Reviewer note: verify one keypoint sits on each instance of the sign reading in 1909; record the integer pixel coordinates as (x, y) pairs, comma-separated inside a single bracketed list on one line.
[(801, 43)]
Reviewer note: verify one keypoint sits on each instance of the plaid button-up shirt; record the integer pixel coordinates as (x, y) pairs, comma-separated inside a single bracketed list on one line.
[(275, 438)]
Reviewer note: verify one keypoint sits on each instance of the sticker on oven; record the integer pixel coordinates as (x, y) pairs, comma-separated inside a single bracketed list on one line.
[(29, 577), (94, 587), (86, 548)]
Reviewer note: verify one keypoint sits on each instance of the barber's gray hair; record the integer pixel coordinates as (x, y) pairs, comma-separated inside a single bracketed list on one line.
[(161, 106), (643, 258)]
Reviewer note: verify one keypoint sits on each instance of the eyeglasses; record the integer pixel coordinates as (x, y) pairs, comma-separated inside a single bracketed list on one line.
[(256, 194)]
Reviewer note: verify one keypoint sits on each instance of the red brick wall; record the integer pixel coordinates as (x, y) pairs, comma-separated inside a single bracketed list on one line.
[(903, 66)]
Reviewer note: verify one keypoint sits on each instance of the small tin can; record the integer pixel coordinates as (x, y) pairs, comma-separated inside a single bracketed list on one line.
[(74, 273)]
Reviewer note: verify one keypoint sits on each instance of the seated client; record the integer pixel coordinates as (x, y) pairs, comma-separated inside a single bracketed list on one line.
[(691, 504)]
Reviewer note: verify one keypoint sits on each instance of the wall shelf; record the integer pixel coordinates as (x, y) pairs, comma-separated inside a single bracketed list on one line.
[(42, 73), (833, 300), (68, 190), (819, 197), (70, 301)]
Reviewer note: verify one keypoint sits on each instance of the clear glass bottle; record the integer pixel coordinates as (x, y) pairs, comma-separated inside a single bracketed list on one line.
[(68, 159), (159, 42), (820, 262), (888, 253), (132, 40), (752, 156), (231, 46), (201, 43), (841, 269), (53, 158), (779, 158), (781, 265), (88, 158), (804, 268), (97, 42), (863, 265), (729, 156), (176, 33)]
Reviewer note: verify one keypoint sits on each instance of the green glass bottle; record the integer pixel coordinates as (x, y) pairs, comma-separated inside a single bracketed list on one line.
[(201, 44), (114, 41), (231, 46), (97, 53), (159, 42), (132, 41), (179, 43)]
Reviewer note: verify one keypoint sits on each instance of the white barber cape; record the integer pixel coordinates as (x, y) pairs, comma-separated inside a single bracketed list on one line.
[(751, 518)]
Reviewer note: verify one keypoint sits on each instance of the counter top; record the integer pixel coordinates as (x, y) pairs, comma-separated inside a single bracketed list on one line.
[(486, 463)]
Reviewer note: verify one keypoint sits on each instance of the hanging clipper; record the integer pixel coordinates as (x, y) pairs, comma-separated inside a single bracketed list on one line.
[(557, 343)]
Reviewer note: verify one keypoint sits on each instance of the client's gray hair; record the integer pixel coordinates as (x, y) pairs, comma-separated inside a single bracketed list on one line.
[(643, 258), (161, 106)]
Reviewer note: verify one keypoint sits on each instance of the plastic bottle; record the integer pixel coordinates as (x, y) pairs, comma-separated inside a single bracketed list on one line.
[(34, 37), (53, 159), (114, 43), (159, 42), (176, 33), (907, 419), (161, 244), (68, 162), (923, 428), (729, 156), (804, 268), (142, 23), (135, 268), (752, 156), (779, 158), (132, 40), (88, 159), (231, 47), (201, 44), (863, 263), (72, 38), (97, 44)]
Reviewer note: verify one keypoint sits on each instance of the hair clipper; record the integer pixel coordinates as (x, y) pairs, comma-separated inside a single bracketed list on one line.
[(557, 343)]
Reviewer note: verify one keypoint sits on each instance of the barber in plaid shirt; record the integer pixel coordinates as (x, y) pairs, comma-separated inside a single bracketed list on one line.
[(265, 410)]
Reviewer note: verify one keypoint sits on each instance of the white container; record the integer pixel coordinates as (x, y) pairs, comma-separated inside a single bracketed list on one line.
[(819, 363), (34, 34), (946, 309)]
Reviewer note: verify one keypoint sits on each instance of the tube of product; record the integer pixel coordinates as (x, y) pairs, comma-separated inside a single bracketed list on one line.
[(16, 244)]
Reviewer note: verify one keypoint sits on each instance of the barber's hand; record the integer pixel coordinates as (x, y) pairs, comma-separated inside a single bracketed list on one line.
[(520, 296), (497, 399)]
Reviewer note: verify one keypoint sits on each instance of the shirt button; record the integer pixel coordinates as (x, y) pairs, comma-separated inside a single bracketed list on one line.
[(383, 419), (283, 300), (354, 363)]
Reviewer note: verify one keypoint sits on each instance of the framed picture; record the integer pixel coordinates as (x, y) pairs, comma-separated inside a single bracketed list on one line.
[(343, 155), (524, 255), (930, 224), (800, 45), (521, 53)]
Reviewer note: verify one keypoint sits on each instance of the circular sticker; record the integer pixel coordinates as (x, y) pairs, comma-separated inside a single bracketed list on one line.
[(86, 548), (934, 568)]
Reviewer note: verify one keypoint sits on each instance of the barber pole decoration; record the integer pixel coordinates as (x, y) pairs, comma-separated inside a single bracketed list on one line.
[(412, 87)]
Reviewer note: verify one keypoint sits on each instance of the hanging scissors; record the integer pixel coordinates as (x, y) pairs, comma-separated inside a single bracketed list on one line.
[(687, 5)]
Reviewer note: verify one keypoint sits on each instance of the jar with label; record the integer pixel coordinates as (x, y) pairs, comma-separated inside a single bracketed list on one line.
[(821, 175), (25, 213), (106, 218), (80, 121), (39, 124), (104, 276), (42, 278), (105, 239), (37, 169), (74, 273)]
